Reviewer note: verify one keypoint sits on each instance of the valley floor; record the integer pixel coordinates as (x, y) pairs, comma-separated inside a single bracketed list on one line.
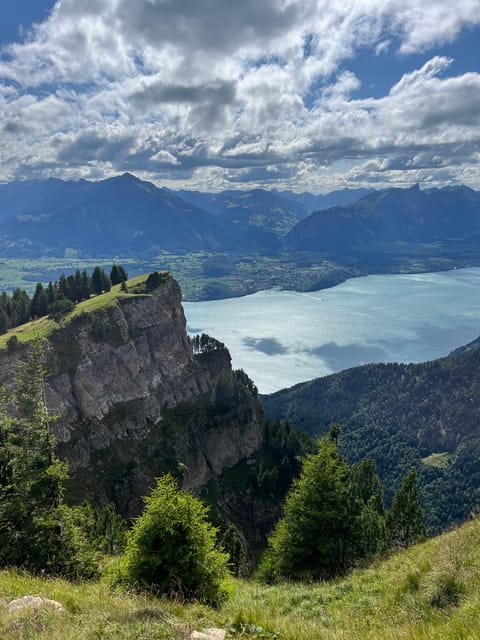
[(208, 276), (431, 591)]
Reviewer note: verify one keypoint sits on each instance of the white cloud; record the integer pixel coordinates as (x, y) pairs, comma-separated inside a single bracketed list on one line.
[(241, 91), (164, 157)]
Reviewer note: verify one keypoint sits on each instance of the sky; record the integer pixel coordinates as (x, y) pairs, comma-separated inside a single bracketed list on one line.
[(217, 94)]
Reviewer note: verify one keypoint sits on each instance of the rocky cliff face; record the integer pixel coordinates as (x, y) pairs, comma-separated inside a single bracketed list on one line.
[(134, 401)]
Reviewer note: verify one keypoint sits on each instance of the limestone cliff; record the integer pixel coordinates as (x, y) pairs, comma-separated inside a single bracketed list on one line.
[(134, 401)]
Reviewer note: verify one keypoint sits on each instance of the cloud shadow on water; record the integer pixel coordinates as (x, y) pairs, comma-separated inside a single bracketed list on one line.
[(445, 339), (268, 346), (338, 357)]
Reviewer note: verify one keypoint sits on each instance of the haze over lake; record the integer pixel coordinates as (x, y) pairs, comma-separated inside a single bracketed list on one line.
[(283, 337)]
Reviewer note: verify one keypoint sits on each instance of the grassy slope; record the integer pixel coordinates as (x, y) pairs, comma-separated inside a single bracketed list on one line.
[(43, 327), (432, 591)]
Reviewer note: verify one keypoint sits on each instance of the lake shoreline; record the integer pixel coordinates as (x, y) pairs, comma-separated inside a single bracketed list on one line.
[(283, 337), (329, 277)]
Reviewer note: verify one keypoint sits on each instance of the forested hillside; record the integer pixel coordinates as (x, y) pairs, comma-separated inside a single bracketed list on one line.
[(426, 415)]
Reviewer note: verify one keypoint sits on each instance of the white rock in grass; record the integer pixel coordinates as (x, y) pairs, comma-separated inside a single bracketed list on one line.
[(35, 602), (209, 634)]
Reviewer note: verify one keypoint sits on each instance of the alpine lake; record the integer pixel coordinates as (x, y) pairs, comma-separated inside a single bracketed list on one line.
[(283, 337)]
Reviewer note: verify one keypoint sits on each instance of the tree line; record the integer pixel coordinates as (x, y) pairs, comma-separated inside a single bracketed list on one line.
[(204, 343), (57, 297)]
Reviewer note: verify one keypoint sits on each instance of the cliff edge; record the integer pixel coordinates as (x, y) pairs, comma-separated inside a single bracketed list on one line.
[(134, 401)]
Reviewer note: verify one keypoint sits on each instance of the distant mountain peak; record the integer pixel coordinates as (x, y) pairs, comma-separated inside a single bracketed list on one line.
[(126, 178)]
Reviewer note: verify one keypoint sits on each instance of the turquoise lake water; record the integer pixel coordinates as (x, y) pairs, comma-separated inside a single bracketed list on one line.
[(283, 337)]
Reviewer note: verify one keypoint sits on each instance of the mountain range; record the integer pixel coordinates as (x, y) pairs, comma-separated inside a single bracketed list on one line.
[(131, 217), (121, 215), (275, 211), (409, 216), (128, 216)]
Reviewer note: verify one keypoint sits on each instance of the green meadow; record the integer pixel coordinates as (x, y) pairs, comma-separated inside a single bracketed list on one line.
[(431, 591)]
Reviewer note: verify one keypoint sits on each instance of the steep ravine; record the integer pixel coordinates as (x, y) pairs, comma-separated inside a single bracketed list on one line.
[(134, 401)]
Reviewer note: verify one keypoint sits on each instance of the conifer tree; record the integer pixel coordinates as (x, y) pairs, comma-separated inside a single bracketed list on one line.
[(369, 532), (100, 281), (232, 544), (85, 285), (118, 274), (52, 292), (3, 321), (20, 303), (72, 293), (39, 302), (333, 516), (310, 539), (64, 287), (36, 528), (405, 518), (171, 548)]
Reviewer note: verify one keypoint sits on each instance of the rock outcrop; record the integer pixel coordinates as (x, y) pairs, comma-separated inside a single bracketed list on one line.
[(134, 401)]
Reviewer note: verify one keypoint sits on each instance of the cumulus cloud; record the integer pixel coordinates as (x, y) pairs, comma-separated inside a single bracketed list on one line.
[(207, 93)]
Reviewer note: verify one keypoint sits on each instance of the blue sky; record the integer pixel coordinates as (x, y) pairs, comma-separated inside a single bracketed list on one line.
[(19, 15), (208, 94)]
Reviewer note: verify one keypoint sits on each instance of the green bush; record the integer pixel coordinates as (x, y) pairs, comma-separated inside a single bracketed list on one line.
[(171, 548)]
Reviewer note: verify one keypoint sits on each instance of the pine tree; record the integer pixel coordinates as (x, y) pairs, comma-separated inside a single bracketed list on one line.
[(104, 528), (310, 539), (100, 281), (118, 274), (20, 308), (36, 528), (232, 544), (64, 287), (3, 321), (39, 302), (73, 293), (52, 292), (85, 285), (369, 532), (106, 282), (154, 280), (405, 518)]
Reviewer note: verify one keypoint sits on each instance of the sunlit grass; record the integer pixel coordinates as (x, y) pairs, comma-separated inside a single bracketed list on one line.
[(43, 327), (430, 592), (438, 460)]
